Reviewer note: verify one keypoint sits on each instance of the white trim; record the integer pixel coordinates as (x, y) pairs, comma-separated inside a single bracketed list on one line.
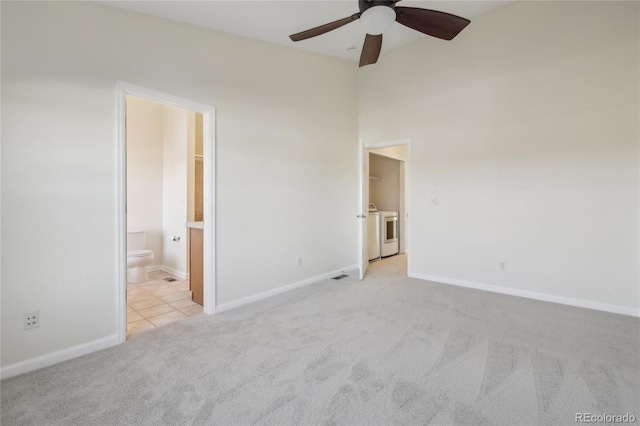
[(209, 219), (209, 185), (121, 234), (368, 146), (58, 356), (387, 144), (278, 290), (349, 268), (163, 268), (580, 303), (180, 274), (363, 211)]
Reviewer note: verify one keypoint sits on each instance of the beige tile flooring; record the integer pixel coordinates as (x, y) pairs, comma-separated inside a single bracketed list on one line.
[(157, 302)]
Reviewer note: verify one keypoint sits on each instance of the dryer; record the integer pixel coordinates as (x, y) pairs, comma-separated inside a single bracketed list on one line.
[(388, 233)]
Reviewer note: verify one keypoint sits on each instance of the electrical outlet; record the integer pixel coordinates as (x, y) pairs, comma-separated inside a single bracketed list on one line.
[(503, 266), (31, 320), (435, 200), (298, 261)]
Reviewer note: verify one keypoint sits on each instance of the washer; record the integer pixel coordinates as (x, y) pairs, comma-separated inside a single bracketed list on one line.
[(388, 233), (373, 232)]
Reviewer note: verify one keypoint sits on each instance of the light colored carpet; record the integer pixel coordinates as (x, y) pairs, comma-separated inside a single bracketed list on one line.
[(388, 350)]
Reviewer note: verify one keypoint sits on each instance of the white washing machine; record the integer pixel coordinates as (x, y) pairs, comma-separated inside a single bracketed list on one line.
[(388, 233), (373, 232)]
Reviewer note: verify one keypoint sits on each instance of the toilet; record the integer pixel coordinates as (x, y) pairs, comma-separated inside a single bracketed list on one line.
[(138, 258)]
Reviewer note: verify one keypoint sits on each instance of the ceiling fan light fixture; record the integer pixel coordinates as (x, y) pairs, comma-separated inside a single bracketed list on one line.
[(377, 16), (377, 19)]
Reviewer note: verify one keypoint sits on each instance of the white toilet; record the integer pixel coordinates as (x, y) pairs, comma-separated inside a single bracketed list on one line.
[(138, 258)]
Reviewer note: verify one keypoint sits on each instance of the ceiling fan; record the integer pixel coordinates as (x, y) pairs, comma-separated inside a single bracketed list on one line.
[(376, 16)]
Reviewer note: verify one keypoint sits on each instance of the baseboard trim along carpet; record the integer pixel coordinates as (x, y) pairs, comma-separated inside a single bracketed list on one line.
[(580, 303), (96, 345), (58, 356), (265, 294)]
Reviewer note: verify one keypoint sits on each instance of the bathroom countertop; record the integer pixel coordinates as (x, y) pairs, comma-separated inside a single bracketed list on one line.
[(198, 225)]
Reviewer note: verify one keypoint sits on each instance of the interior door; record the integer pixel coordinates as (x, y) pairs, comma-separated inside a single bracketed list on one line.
[(364, 209)]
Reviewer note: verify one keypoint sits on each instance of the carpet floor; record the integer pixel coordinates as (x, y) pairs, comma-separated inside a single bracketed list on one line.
[(387, 350)]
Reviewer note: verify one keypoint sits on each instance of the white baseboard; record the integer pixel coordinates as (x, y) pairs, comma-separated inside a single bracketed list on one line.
[(580, 303), (96, 345), (350, 268), (180, 274), (58, 356), (278, 290)]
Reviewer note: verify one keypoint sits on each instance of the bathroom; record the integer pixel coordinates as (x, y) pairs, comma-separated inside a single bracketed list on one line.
[(164, 194)]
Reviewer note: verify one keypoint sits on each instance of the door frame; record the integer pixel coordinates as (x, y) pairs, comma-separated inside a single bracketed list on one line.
[(365, 148), (363, 200), (209, 185)]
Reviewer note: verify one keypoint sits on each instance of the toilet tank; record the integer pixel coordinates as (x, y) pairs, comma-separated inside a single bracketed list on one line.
[(136, 239)]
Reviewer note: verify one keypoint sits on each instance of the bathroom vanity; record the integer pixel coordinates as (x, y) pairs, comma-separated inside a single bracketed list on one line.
[(195, 261)]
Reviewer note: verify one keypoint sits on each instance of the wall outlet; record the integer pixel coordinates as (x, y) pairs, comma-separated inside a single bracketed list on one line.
[(503, 266), (31, 320), (298, 261), (435, 200)]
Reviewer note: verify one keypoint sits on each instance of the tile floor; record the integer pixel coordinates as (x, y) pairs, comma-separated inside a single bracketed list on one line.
[(157, 303)]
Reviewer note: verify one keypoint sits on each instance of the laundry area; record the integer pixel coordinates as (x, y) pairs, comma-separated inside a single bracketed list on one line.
[(386, 224)]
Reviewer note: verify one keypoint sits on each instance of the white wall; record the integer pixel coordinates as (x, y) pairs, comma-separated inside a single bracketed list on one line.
[(145, 135), (178, 126), (526, 128), (282, 115)]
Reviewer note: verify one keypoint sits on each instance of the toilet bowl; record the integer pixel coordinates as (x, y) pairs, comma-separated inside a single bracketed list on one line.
[(137, 262), (138, 258)]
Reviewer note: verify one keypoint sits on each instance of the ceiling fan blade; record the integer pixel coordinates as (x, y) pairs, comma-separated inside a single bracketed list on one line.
[(324, 28), (371, 50), (431, 22)]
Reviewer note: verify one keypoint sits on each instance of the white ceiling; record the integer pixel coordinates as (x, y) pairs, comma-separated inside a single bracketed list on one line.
[(273, 21)]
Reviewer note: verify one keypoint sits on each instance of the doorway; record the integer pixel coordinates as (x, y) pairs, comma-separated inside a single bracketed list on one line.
[(207, 226), (385, 181)]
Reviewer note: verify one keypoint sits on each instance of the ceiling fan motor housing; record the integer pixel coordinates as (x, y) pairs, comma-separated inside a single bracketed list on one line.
[(377, 16), (367, 4)]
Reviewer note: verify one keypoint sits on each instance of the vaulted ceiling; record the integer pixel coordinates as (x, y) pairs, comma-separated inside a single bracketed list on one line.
[(274, 21)]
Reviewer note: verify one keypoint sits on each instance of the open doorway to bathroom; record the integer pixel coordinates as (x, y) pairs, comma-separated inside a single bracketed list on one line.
[(388, 215), (166, 191)]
